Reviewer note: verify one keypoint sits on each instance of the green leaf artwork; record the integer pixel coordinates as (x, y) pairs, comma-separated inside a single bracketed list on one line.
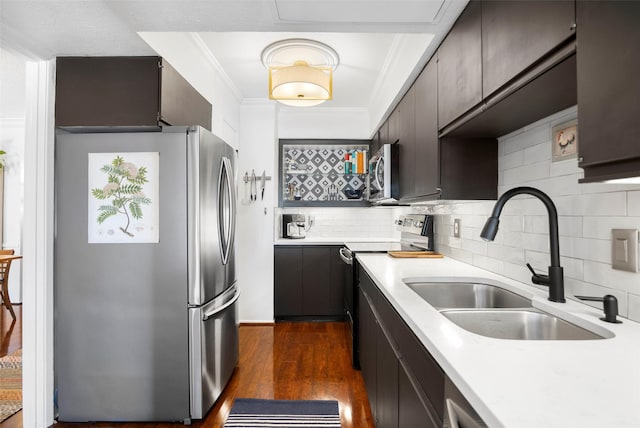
[(123, 191)]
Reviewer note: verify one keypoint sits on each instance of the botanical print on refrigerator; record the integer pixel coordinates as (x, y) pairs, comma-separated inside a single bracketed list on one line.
[(123, 197)]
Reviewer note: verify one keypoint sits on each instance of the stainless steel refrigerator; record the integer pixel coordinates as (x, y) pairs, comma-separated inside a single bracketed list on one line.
[(145, 285)]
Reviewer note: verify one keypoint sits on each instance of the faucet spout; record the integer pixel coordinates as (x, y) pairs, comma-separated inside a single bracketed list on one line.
[(490, 229)]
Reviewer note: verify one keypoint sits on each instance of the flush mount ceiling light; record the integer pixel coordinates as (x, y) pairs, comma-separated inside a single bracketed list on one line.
[(300, 71)]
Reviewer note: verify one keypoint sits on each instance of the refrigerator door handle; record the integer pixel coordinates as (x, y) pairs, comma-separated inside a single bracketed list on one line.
[(212, 312), (226, 209), (232, 203)]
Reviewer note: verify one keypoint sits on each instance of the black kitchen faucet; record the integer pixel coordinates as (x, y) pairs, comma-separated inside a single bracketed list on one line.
[(555, 279)]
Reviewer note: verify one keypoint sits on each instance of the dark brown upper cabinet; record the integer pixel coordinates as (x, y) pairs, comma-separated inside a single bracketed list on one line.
[(516, 34), (427, 167), (407, 143), (127, 92), (608, 87), (394, 127), (460, 66)]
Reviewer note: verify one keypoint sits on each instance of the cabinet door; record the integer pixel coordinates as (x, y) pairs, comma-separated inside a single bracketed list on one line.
[(367, 344), (387, 384), (460, 66), (316, 264), (107, 91), (427, 164), (180, 103), (411, 411), (394, 126), (337, 283), (407, 142), (608, 87), (515, 34), (288, 281)]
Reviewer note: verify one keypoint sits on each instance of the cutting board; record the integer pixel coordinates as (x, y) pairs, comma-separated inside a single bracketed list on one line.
[(415, 254)]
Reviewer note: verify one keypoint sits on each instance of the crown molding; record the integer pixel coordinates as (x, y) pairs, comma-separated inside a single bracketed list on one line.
[(216, 65)]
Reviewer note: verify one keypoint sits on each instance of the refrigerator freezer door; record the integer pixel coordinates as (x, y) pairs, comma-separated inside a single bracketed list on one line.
[(213, 349), (121, 328)]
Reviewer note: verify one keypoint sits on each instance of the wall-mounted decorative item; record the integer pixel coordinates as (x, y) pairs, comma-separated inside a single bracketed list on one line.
[(564, 141), (123, 197)]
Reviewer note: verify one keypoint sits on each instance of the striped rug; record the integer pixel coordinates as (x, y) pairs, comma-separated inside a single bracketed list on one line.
[(10, 384), (254, 413)]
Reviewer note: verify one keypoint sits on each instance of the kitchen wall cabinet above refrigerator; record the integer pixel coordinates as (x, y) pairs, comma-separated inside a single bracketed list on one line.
[(135, 92)]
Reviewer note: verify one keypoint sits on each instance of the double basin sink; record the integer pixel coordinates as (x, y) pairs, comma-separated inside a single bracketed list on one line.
[(492, 311)]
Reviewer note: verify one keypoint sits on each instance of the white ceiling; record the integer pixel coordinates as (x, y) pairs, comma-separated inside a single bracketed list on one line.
[(368, 34)]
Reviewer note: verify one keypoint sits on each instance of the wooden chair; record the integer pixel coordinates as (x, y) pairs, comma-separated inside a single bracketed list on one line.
[(4, 279)]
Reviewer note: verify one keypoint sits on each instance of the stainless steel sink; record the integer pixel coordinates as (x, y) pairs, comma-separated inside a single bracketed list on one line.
[(523, 324), (467, 295)]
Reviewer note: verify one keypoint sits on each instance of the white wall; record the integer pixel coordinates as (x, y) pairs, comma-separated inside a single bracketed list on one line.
[(347, 123), (587, 213), (12, 140), (254, 241)]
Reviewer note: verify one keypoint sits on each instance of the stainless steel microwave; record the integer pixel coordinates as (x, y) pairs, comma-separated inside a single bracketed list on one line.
[(383, 175)]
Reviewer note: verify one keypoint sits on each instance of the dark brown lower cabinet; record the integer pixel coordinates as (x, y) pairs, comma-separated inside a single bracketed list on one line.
[(404, 383), (309, 282)]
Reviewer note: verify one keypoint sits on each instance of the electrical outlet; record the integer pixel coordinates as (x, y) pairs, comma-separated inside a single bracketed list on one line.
[(456, 228)]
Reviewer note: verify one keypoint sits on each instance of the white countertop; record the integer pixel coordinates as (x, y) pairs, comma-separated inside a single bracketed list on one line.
[(521, 384)]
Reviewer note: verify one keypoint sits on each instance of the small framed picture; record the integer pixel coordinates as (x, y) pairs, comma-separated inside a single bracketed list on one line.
[(564, 141)]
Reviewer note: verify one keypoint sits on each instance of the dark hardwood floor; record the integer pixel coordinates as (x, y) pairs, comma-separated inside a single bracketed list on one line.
[(303, 360)]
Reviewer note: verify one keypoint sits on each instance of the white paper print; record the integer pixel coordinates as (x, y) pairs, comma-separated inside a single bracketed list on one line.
[(123, 197)]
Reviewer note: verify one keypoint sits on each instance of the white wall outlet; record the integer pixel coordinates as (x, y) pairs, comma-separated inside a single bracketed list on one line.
[(624, 249), (456, 228)]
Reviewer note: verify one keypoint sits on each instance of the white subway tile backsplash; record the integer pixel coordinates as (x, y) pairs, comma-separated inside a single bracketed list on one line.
[(525, 173), (512, 160), (492, 265), (599, 204), (537, 153), (604, 275), (587, 213), (600, 227), (634, 203), (634, 307)]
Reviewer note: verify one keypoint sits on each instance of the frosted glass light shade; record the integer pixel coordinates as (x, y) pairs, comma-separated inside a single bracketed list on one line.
[(300, 84)]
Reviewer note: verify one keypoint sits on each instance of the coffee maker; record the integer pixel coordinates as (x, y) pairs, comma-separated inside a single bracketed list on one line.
[(293, 226)]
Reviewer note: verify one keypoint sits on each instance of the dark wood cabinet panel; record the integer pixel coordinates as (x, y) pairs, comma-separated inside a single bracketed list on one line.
[(309, 282), (180, 103), (316, 290), (288, 281), (515, 34), (125, 91), (427, 165), (407, 144), (394, 127), (411, 411), (387, 383), (468, 168), (339, 271), (405, 384), (460, 66), (608, 86), (368, 346)]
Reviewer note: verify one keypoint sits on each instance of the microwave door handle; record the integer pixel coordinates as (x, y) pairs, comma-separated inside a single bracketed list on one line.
[(377, 177)]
